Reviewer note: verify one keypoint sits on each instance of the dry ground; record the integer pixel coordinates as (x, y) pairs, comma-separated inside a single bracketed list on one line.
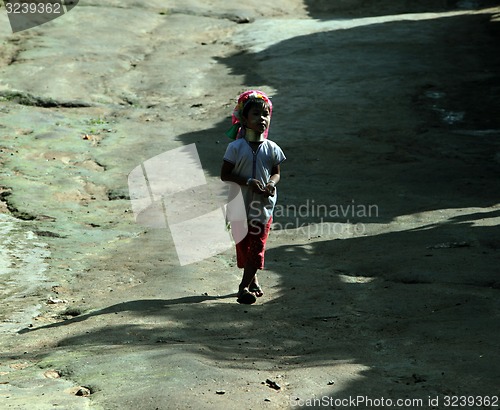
[(382, 268)]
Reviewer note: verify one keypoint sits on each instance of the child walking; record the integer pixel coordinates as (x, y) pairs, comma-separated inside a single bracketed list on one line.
[(253, 163)]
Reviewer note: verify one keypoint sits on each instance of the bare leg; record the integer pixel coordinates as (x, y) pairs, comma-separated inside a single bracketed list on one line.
[(244, 295), (255, 288), (249, 274)]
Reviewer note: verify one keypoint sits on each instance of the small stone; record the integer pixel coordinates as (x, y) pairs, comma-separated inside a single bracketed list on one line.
[(331, 382), (273, 385), (220, 392), (54, 301), (240, 19), (83, 391), (52, 374)]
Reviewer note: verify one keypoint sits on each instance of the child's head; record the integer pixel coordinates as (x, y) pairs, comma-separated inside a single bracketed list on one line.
[(248, 104), (256, 115), (255, 103)]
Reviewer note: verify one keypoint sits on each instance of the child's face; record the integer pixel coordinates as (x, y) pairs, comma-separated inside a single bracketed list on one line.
[(258, 118)]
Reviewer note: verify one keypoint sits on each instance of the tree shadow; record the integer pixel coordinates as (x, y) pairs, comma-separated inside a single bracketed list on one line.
[(136, 307), (405, 158), (326, 9)]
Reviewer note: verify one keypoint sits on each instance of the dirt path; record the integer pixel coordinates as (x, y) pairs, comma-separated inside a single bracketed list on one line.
[(382, 268)]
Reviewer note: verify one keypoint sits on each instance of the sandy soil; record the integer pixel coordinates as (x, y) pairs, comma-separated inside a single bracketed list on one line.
[(382, 268)]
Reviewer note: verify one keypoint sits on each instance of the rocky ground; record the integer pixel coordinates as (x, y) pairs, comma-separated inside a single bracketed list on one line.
[(382, 267)]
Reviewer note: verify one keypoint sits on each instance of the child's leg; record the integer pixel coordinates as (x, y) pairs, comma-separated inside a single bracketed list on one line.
[(255, 260), (244, 294), (241, 253), (255, 288), (248, 276), (242, 246)]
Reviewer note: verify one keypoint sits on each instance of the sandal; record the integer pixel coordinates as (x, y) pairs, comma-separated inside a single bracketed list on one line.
[(256, 290), (245, 297)]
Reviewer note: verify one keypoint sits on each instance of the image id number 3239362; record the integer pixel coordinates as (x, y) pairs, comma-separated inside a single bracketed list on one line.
[(469, 401), (34, 8)]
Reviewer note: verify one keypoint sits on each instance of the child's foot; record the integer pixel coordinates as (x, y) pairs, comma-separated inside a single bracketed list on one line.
[(256, 290), (245, 297)]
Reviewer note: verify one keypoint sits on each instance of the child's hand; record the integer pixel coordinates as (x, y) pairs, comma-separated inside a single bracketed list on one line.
[(257, 186), (270, 189)]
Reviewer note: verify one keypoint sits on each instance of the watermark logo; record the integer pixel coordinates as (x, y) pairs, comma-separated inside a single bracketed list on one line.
[(26, 14), (313, 219), (170, 190)]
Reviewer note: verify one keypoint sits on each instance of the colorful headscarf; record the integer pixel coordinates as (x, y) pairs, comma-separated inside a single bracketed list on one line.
[(237, 130)]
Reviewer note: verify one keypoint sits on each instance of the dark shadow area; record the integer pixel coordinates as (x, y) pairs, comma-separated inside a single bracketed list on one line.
[(328, 9), (358, 116), (397, 303)]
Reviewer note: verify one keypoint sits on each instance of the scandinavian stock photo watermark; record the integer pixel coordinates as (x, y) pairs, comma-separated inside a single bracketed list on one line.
[(312, 219), (170, 191), (26, 14)]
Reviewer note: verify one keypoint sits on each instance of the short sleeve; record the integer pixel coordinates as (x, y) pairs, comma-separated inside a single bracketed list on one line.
[(230, 155), (278, 155)]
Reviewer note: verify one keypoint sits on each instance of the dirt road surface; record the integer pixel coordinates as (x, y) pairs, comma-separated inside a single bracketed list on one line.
[(382, 270)]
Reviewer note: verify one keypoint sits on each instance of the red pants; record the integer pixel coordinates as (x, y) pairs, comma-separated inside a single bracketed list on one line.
[(250, 251)]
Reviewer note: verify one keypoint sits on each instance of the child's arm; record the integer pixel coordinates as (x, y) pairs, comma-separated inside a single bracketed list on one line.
[(273, 180), (226, 174)]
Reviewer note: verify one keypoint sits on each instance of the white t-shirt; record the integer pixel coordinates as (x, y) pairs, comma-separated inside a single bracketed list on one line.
[(256, 165)]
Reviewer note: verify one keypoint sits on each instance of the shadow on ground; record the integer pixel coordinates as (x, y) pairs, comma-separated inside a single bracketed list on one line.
[(326, 9)]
